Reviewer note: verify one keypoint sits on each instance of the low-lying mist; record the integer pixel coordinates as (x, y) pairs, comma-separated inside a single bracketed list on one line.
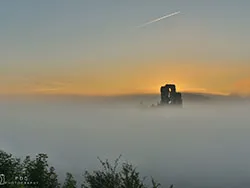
[(200, 145)]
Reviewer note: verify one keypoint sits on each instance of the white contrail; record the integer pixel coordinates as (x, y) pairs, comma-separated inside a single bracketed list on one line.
[(158, 19)]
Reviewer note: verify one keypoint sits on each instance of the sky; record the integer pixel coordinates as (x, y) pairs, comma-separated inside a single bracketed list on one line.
[(95, 47)]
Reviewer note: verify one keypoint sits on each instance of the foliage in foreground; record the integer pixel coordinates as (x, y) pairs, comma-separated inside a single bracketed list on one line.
[(38, 171), (70, 182), (110, 177), (27, 173)]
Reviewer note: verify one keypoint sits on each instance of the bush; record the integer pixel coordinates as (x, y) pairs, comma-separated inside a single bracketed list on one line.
[(110, 177), (70, 182), (35, 170), (38, 170)]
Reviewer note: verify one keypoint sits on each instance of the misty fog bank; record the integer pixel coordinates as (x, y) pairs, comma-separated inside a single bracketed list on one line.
[(201, 145)]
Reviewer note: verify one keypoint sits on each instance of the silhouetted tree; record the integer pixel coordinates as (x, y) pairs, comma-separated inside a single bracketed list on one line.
[(110, 177), (38, 170), (10, 167), (70, 182), (53, 179)]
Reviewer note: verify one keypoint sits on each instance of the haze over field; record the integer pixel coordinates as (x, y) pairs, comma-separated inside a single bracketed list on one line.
[(76, 78), (199, 145)]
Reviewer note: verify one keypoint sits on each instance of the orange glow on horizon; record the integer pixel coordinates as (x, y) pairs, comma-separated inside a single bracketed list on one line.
[(188, 77)]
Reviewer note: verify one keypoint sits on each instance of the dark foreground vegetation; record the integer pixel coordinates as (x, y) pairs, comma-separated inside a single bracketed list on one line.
[(36, 172)]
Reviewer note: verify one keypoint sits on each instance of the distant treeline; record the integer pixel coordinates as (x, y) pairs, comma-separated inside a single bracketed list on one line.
[(36, 172)]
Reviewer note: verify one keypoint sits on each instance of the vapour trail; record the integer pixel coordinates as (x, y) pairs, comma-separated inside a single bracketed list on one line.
[(158, 19)]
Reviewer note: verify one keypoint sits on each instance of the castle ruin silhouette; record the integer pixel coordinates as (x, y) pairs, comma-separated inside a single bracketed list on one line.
[(169, 96)]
